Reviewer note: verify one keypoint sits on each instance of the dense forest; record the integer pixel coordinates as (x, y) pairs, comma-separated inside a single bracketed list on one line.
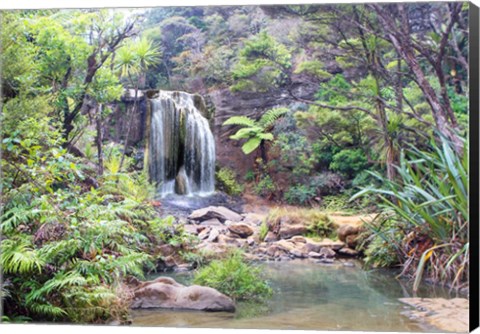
[(315, 109)]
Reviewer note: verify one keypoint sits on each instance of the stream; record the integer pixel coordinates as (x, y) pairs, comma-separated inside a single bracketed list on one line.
[(310, 297)]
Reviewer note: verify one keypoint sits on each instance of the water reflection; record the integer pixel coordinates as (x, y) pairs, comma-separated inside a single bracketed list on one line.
[(311, 296)]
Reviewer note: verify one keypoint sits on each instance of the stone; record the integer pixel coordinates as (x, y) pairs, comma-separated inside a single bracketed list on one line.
[(351, 240), (192, 229), (298, 253), (289, 230), (250, 241), (166, 250), (336, 245), (219, 212), (315, 255), (348, 251), (241, 229), (345, 230), (223, 239), (270, 237), (211, 222), (299, 239), (285, 245), (204, 234), (181, 268), (311, 246), (164, 292), (214, 233), (447, 315), (325, 260), (327, 252)]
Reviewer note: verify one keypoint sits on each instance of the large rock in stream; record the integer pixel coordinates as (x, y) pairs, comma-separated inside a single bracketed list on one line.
[(219, 212), (164, 292)]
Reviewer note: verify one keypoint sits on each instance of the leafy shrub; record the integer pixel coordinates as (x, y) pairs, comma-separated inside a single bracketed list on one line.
[(228, 183), (349, 162), (299, 194), (327, 183), (235, 278), (265, 187), (249, 176), (430, 200)]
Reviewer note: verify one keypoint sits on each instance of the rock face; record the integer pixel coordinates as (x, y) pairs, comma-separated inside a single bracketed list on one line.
[(219, 212), (164, 292)]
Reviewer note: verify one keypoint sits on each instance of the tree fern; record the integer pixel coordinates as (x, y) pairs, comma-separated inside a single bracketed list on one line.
[(240, 120), (268, 119)]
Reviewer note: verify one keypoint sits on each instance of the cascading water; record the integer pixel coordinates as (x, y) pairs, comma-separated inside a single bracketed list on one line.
[(181, 147)]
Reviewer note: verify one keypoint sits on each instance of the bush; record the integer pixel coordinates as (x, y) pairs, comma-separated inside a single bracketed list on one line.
[(228, 183), (265, 187), (299, 194), (349, 162), (235, 278), (428, 206), (249, 176)]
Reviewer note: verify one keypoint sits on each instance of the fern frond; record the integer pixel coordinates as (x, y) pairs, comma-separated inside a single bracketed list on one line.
[(240, 120), (251, 145), (268, 119), (18, 256)]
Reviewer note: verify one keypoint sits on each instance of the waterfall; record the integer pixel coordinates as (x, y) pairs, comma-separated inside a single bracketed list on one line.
[(182, 147)]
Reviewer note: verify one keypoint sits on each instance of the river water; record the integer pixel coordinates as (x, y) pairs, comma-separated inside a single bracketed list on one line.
[(312, 297)]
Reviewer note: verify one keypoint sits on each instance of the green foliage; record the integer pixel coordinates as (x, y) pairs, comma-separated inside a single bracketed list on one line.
[(262, 233), (265, 187), (262, 62), (235, 278), (430, 198), (313, 67), (249, 176), (299, 194), (227, 179), (256, 132), (349, 162)]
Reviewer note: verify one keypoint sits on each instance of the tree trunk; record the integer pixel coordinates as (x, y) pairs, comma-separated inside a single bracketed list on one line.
[(99, 139)]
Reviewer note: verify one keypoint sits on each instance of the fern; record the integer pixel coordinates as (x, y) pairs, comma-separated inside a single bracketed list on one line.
[(240, 120), (18, 256), (268, 119)]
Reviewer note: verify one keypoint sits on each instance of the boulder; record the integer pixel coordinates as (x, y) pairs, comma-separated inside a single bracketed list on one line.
[(336, 245), (327, 252), (347, 251), (299, 239), (204, 234), (164, 292), (192, 229), (352, 240), (287, 231), (214, 233), (315, 255), (219, 212), (223, 239), (241, 229), (270, 237), (211, 222), (285, 245), (345, 230)]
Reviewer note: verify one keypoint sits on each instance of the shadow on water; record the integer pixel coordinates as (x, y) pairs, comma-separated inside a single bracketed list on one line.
[(310, 296)]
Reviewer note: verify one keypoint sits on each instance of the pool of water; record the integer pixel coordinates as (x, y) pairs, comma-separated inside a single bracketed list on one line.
[(311, 296)]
